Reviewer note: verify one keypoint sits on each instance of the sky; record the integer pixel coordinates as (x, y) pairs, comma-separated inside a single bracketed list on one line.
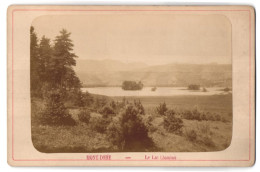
[(148, 38)]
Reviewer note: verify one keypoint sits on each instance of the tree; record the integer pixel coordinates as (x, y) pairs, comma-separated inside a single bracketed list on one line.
[(84, 115), (172, 123), (63, 61), (162, 109), (193, 87), (129, 133), (55, 112), (132, 85), (45, 57), (34, 63), (139, 107)]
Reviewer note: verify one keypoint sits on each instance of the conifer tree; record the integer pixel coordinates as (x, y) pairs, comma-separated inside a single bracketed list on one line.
[(45, 57), (64, 60), (34, 63)]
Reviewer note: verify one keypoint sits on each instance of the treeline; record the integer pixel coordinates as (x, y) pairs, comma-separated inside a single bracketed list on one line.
[(53, 78), (51, 65)]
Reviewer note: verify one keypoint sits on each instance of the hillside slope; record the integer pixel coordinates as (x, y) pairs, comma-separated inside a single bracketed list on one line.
[(113, 73)]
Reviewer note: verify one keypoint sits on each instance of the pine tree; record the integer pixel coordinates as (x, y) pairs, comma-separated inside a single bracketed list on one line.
[(64, 74), (34, 63), (45, 57)]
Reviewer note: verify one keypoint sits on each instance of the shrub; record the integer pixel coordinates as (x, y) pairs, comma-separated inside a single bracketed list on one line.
[(172, 123), (100, 103), (195, 114), (191, 135), (113, 105), (99, 124), (106, 111), (121, 104), (223, 119), (115, 135), (129, 132), (217, 117), (204, 117), (161, 109), (149, 124), (84, 99), (139, 107), (211, 117), (150, 119), (187, 115), (84, 116), (152, 128), (55, 113)]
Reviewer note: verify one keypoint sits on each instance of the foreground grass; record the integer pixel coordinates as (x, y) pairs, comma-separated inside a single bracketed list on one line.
[(215, 138), (210, 135), (221, 104)]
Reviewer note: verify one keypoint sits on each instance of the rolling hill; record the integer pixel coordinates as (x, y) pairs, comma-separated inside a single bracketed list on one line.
[(113, 73)]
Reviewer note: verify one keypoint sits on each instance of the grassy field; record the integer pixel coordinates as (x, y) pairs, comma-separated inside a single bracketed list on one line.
[(220, 104), (196, 136)]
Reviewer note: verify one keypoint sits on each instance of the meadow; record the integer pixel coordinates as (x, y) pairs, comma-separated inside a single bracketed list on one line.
[(209, 130)]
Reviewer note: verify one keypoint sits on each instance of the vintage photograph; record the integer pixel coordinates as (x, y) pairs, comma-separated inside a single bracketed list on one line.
[(131, 83)]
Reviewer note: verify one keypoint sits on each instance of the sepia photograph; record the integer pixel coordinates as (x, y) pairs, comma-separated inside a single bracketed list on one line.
[(131, 83)]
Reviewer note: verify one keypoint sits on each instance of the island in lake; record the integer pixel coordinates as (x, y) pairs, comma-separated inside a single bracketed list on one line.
[(132, 85)]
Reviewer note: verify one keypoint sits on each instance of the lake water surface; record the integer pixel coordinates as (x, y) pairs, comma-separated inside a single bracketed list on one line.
[(146, 91)]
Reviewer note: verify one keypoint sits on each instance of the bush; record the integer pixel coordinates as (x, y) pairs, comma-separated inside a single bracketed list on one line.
[(195, 114), (84, 99), (99, 124), (211, 117), (204, 117), (115, 135), (55, 113), (100, 103), (129, 133), (161, 109), (223, 119), (191, 135), (84, 116), (217, 117), (187, 115), (172, 123), (149, 119), (149, 125), (139, 107), (113, 105), (106, 111)]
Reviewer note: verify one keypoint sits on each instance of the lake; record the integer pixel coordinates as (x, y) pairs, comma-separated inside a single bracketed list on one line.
[(146, 91)]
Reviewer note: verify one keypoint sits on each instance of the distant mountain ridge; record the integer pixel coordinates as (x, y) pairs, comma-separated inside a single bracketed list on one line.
[(113, 73)]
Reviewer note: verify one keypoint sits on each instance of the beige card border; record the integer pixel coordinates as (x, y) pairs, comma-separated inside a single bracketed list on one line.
[(68, 159)]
